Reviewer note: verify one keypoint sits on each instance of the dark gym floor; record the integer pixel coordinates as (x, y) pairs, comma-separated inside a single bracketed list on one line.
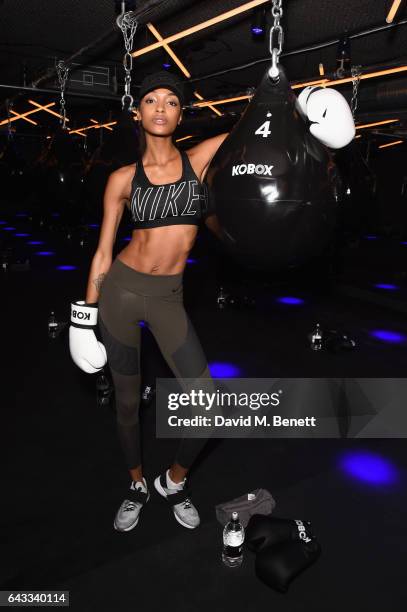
[(63, 474)]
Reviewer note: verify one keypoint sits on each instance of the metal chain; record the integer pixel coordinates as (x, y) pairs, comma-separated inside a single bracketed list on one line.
[(62, 71), (356, 72), (127, 22), (9, 106), (276, 32)]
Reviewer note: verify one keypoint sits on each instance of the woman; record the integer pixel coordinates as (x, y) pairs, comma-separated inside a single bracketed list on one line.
[(166, 198)]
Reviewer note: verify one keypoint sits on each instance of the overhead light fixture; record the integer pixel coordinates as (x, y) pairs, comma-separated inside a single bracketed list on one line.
[(367, 75), (184, 138), (169, 51), (25, 118), (322, 82), (78, 132), (46, 109), (31, 112), (391, 144), (321, 69), (368, 125), (93, 126), (258, 25), (106, 125), (224, 101), (200, 26), (309, 83), (393, 10), (215, 110), (166, 62)]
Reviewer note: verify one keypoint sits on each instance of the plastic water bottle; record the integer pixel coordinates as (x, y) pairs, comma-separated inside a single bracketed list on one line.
[(52, 325), (316, 339), (221, 300), (233, 538)]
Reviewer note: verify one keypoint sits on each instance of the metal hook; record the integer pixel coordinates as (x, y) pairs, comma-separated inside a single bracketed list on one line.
[(274, 72), (130, 103)]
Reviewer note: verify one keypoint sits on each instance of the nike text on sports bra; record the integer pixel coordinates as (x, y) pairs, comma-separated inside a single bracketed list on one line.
[(183, 202)]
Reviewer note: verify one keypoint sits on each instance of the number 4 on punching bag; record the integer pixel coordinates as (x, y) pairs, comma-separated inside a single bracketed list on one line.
[(272, 184)]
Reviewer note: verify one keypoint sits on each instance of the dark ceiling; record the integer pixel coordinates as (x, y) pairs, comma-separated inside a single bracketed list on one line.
[(34, 34)]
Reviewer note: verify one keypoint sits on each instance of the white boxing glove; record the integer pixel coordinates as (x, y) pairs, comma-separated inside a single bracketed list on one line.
[(329, 114), (86, 351)]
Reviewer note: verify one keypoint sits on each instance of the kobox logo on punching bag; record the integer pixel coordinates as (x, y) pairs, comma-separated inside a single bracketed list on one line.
[(251, 169), (272, 183)]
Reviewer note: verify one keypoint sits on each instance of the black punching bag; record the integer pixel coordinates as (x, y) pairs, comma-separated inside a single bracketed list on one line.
[(272, 184)]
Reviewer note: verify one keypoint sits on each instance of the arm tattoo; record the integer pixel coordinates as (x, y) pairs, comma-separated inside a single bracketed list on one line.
[(98, 281)]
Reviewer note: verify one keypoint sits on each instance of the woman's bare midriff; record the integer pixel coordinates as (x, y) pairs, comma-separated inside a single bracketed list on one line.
[(159, 250)]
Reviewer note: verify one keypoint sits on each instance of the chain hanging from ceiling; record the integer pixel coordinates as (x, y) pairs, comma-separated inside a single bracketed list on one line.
[(356, 72), (276, 35), (127, 23), (62, 71), (9, 107)]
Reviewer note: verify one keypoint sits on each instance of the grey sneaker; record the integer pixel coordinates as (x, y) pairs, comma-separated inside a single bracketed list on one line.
[(128, 514), (182, 506)]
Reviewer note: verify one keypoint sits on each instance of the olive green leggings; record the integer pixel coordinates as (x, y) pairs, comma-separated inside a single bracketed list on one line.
[(127, 297)]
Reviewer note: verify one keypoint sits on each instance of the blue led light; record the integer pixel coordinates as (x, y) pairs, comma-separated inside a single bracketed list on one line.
[(368, 467), (223, 370), (35, 242), (257, 30), (127, 238), (291, 300), (25, 235), (9, 228), (44, 253), (93, 224), (3, 222), (66, 268), (386, 286), (370, 237), (143, 323), (388, 336), (21, 214), (192, 261)]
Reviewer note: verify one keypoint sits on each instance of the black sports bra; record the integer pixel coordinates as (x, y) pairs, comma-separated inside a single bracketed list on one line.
[(183, 202)]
